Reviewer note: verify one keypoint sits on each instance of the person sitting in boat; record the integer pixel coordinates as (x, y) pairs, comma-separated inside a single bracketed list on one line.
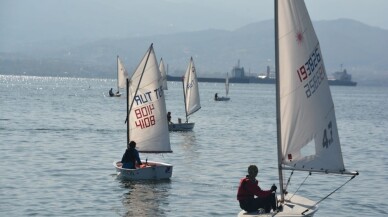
[(216, 96), (169, 117), (130, 156), (111, 92), (249, 188)]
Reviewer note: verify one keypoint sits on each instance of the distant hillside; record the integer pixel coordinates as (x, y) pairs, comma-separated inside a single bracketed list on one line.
[(362, 49)]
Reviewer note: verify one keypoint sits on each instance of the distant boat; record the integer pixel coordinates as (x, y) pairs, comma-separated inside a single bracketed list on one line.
[(146, 120), (224, 98), (342, 78), (190, 99), (307, 133), (163, 74), (122, 75)]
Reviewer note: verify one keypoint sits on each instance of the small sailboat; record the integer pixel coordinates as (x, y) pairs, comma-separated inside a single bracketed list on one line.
[(146, 120), (190, 98), (307, 134), (224, 98), (122, 75), (163, 73)]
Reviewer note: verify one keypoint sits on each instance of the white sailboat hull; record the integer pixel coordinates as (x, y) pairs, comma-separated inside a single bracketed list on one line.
[(180, 126), (152, 171), (293, 208)]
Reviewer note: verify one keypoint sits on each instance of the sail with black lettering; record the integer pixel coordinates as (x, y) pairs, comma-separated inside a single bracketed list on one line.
[(148, 123), (191, 89), (309, 138)]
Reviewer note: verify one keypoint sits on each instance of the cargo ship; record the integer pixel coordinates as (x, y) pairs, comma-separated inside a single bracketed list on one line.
[(340, 78)]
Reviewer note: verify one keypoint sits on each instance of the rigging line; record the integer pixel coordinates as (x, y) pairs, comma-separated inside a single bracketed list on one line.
[(301, 185), (331, 193), (289, 179)]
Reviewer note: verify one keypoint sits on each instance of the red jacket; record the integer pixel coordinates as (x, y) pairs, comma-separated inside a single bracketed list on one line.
[(249, 188)]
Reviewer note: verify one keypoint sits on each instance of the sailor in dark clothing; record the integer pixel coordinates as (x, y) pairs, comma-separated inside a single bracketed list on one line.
[(249, 188), (130, 156), (169, 117)]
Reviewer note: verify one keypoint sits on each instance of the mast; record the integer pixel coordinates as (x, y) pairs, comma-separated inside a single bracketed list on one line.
[(184, 96), (127, 111), (278, 121), (118, 88)]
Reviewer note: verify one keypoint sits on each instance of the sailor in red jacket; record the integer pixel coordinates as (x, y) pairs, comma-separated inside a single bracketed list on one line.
[(249, 188)]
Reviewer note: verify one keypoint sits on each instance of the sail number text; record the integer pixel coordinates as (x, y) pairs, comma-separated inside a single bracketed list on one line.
[(312, 71), (191, 84), (327, 136), (144, 116)]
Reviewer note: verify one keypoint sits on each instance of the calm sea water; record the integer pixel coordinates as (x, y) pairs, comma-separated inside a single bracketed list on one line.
[(59, 137)]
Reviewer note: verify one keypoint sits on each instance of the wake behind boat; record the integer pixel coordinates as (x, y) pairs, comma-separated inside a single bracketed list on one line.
[(146, 120), (190, 98), (307, 133)]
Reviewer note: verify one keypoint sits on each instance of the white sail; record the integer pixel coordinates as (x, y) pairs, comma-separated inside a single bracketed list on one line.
[(227, 84), (191, 91), (148, 123), (122, 74), (163, 73), (309, 135)]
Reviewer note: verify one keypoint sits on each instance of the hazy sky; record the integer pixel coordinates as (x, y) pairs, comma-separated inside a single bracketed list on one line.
[(37, 20)]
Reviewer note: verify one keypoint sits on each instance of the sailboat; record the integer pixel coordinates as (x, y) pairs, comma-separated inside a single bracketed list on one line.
[(163, 73), (307, 134), (122, 75), (224, 98), (190, 98), (146, 120)]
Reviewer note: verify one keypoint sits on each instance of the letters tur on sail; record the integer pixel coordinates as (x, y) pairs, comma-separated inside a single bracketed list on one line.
[(309, 139)]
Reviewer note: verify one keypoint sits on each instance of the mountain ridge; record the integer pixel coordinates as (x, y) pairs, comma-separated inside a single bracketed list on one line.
[(359, 48)]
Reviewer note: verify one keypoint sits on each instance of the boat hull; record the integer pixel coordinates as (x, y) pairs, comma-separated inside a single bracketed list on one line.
[(151, 171), (115, 95), (291, 208), (222, 99), (180, 126), (342, 83)]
